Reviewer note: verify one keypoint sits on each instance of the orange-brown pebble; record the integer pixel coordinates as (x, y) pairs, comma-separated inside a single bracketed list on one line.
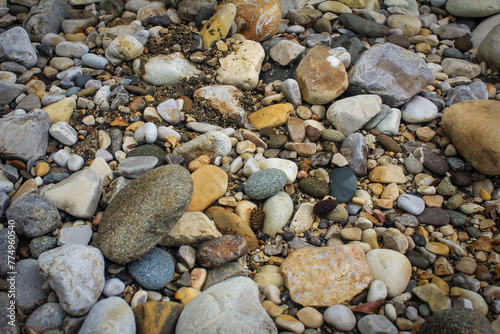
[(272, 309), (186, 294), (42, 168), (120, 122), (198, 276), (200, 161), (134, 126)]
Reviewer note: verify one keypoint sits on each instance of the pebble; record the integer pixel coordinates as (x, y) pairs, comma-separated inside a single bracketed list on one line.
[(340, 317), (265, 183), (112, 312)]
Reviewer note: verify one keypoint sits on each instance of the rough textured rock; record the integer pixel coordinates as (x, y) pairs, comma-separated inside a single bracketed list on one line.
[(474, 128), (226, 307), (24, 137), (212, 144), (393, 73), (326, 276), (127, 230), (351, 113), (46, 18), (76, 273), (192, 229), (321, 77), (456, 320)]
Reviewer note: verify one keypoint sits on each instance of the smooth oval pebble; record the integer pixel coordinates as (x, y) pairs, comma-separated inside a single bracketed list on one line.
[(265, 183), (340, 317)]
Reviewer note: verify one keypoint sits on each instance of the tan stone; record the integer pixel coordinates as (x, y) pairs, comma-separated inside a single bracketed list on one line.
[(326, 276), (387, 174), (384, 263), (437, 248), (409, 24), (193, 228), (272, 309), (210, 184), (334, 7), (42, 168), (268, 275), (271, 116), (321, 77), (60, 111), (383, 203), (218, 26), (244, 209), (185, 295), (228, 222), (391, 191), (434, 296), (355, 3), (28, 187), (310, 317), (257, 20), (435, 201), (474, 128)]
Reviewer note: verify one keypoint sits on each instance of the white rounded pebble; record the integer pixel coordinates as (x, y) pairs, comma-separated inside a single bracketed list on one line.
[(164, 132), (378, 291), (236, 165), (251, 166), (390, 312), (272, 293), (411, 204), (289, 167), (75, 162), (140, 297), (61, 157), (340, 317), (64, 133), (94, 61), (38, 181), (113, 287), (146, 133), (100, 153)]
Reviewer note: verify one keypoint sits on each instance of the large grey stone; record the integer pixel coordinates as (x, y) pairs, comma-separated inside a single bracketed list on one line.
[(24, 137), (393, 73), (110, 315), (226, 307), (489, 49), (34, 215), (483, 29), (78, 194), (143, 212), (15, 45), (10, 91), (478, 8), (29, 292), (45, 18), (76, 273), (351, 113)]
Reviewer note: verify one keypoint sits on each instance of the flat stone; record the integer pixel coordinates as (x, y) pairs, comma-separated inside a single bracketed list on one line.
[(271, 116), (209, 184), (166, 191), (363, 26), (434, 216), (393, 73), (191, 229), (265, 183), (462, 8), (32, 128), (34, 215), (152, 315), (29, 292), (350, 114), (344, 184), (217, 27), (61, 110), (226, 308), (323, 281), (212, 144), (387, 174), (49, 316), (85, 188), (218, 251), (355, 150), (112, 312), (374, 323)]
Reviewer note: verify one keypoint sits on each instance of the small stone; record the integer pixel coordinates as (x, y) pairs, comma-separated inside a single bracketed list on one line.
[(221, 250), (271, 116), (383, 263), (154, 270), (340, 317), (265, 183), (387, 174), (289, 323), (376, 324)]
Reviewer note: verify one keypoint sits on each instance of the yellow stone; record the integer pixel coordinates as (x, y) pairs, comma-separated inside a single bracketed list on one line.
[(186, 294), (387, 174), (289, 323), (209, 184), (354, 3), (60, 111), (272, 116), (134, 126), (42, 168), (217, 27), (376, 188), (485, 195), (272, 309), (334, 7), (441, 284), (383, 203), (437, 248), (157, 317)]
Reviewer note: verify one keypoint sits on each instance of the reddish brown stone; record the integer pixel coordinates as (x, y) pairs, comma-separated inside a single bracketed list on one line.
[(216, 252), (483, 244)]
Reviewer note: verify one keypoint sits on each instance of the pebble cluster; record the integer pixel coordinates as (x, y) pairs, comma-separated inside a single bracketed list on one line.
[(250, 166)]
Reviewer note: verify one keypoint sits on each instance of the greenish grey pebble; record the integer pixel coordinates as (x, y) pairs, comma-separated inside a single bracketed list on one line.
[(265, 183), (332, 135)]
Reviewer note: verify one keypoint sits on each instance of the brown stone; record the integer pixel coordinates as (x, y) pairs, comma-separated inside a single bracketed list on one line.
[(216, 252), (387, 174), (389, 144), (320, 81), (257, 20), (326, 276), (442, 267), (157, 317), (474, 128), (209, 184), (483, 244), (228, 222)]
